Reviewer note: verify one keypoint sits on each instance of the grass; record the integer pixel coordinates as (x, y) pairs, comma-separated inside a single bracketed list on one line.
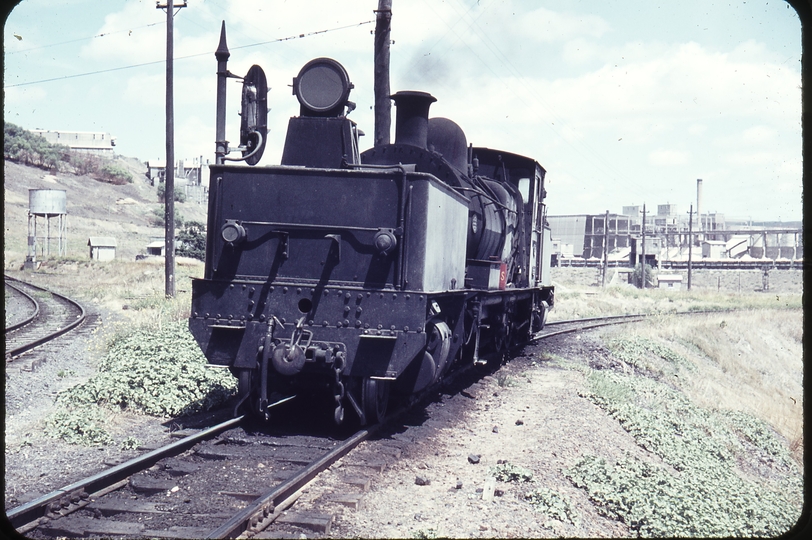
[(578, 302)]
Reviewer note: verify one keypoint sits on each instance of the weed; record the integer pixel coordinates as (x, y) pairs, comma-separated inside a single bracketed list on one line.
[(158, 372), (507, 472), (130, 443), (504, 380), (707, 496), (552, 504)]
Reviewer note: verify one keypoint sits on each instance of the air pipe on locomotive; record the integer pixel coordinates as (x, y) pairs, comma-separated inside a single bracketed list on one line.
[(347, 274)]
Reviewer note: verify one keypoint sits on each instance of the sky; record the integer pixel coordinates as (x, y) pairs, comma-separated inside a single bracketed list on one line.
[(623, 102)]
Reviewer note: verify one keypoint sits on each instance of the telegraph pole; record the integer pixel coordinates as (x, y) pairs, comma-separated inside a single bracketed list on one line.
[(169, 191), (383, 104), (605, 249), (643, 249), (690, 242)]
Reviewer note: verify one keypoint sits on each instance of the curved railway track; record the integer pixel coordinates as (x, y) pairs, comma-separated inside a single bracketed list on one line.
[(52, 316), (209, 484)]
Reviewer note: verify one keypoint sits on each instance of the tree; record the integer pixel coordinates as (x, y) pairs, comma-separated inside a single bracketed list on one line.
[(637, 276), (180, 193), (192, 241)]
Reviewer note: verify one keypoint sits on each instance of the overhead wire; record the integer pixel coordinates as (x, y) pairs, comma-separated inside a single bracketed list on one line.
[(288, 38), (103, 34)]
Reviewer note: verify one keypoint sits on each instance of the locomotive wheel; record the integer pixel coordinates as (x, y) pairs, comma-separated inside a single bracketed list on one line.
[(502, 334), (244, 387), (374, 400)]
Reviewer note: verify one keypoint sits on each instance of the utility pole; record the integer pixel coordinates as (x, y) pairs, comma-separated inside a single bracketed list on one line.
[(643, 248), (605, 249), (383, 104), (690, 242), (169, 191)]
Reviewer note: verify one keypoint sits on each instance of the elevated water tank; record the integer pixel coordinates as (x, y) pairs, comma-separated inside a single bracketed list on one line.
[(47, 202)]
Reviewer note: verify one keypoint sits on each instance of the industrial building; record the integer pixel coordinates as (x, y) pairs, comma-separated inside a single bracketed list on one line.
[(583, 237), (91, 142), (666, 235)]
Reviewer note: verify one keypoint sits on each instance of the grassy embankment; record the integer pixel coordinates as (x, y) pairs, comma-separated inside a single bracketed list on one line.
[(717, 398)]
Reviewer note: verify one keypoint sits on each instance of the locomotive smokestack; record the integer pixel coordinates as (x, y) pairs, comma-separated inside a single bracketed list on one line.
[(412, 125)]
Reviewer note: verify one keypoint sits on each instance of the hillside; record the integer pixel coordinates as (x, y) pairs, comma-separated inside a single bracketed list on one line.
[(125, 212)]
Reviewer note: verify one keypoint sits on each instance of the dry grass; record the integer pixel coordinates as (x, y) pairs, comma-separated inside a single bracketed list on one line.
[(572, 302), (133, 289)]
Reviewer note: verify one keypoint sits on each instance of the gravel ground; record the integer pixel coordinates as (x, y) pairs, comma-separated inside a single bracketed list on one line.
[(528, 414)]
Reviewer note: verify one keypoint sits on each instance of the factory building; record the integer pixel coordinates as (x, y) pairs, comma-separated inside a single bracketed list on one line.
[(91, 142), (667, 237)]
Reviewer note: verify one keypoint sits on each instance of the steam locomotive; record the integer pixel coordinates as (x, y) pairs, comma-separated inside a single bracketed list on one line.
[(353, 275)]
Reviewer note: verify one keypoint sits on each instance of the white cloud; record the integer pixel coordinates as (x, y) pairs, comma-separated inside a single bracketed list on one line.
[(668, 157)]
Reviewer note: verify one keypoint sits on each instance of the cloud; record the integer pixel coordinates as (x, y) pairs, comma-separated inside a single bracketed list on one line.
[(667, 157)]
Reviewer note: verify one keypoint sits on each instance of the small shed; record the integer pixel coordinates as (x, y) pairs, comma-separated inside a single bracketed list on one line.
[(669, 281), (102, 248), (713, 249), (156, 247)]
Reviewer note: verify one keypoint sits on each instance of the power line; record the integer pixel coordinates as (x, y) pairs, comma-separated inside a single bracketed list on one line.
[(104, 34), (288, 38)]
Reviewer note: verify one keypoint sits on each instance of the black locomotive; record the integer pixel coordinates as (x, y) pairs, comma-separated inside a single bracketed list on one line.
[(352, 274)]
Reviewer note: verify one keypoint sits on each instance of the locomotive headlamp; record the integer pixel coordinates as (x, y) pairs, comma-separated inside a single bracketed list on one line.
[(384, 241), (232, 232), (322, 88)]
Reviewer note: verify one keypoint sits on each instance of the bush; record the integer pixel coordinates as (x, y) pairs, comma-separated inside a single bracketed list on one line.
[(192, 241), (651, 274), (180, 193), (158, 220), (115, 174), (158, 372), (507, 472), (698, 489)]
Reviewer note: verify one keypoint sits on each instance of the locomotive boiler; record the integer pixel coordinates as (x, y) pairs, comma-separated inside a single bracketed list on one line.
[(352, 275)]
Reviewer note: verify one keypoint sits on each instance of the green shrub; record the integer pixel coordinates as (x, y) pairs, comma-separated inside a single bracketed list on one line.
[(648, 356), (115, 174), (79, 425), (552, 504), (157, 219), (700, 490), (192, 241), (158, 372), (23, 146), (180, 193)]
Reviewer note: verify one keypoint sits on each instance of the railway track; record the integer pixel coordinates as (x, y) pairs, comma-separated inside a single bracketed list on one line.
[(213, 478), (52, 315)]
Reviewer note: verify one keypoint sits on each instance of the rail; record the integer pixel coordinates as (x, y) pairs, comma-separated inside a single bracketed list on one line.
[(36, 342)]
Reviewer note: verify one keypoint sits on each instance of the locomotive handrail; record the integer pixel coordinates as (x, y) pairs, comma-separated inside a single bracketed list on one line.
[(310, 226)]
